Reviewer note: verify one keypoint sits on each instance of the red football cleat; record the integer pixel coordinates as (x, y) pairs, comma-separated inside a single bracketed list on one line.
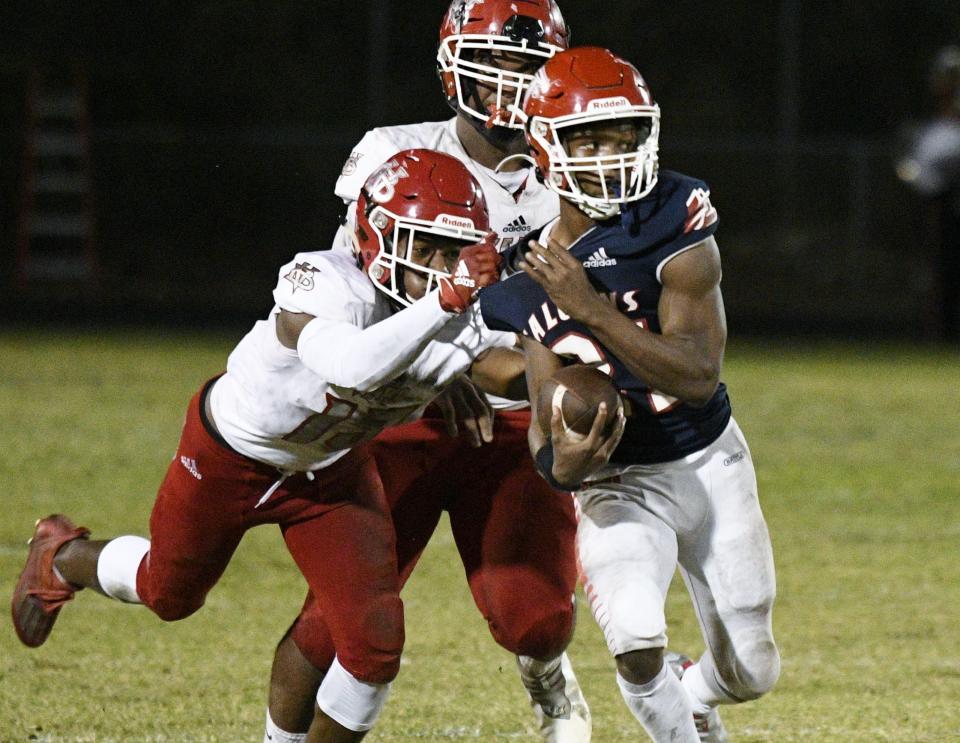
[(40, 594)]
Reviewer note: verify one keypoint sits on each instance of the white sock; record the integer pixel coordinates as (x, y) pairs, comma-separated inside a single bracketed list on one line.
[(274, 734), (662, 707), (703, 694), (353, 703), (117, 567)]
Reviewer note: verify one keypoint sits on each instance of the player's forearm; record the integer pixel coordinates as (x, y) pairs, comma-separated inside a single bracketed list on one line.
[(500, 371), (673, 365), (366, 358)]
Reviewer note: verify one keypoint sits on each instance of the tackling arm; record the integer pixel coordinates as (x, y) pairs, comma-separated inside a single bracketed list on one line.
[(500, 371), (362, 358)]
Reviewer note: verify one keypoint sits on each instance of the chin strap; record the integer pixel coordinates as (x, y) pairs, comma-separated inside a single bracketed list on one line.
[(518, 156)]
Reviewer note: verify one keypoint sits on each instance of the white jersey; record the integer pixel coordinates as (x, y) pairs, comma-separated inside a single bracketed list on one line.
[(271, 407), (518, 203)]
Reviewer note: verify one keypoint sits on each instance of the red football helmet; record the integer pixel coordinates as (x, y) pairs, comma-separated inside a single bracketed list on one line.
[(581, 86), (473, 31), (415, 191)]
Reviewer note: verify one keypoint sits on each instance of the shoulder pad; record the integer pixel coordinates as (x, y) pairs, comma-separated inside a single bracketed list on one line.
[(370, 152), (677, 213), (323, 284)]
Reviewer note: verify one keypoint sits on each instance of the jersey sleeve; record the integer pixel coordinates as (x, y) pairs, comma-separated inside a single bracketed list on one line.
[(694, 216), (364, 358), (684, 217), (501, 307), (371, 152), (348, 343), (327, 285)]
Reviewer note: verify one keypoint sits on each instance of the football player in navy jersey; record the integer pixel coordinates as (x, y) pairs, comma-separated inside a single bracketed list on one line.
[(627, 278)]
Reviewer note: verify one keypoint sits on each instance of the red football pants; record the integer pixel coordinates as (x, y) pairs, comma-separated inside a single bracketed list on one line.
[(337, 527), (515, 534)]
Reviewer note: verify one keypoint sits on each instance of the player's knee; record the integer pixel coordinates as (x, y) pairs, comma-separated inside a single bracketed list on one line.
[(374, 666), (544, 635), (170, 599), (640, 666), (633, 617), (539, 628), (312, 638), (754, 670), (372, 651), (174, 608)]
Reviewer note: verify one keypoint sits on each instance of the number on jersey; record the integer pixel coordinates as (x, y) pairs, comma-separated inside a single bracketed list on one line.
[(587, 351)]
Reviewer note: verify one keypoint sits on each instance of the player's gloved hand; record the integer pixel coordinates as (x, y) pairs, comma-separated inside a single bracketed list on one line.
[(477, 267)]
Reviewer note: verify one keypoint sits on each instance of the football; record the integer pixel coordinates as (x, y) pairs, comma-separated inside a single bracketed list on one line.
[(578, 390)]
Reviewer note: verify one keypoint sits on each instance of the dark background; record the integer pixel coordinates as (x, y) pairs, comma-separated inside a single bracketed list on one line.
[(218, 130)]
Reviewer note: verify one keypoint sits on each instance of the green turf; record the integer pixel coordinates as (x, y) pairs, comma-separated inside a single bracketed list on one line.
[(858, 455)]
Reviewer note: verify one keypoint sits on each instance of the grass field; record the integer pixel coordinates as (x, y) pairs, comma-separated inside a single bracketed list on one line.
[(858, 456)]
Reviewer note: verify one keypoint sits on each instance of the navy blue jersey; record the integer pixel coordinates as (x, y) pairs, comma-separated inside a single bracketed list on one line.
[(624, 257)]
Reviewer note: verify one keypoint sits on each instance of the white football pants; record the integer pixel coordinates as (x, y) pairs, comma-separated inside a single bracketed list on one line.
[(702, 512)]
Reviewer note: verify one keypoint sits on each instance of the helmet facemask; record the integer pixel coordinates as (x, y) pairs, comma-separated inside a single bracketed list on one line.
[(418, 206), (472, 59), (397, 236), (599, 184)]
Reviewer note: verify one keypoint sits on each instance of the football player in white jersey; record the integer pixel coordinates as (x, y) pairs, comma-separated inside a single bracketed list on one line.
[(282, 436), (628, 279), (515, 534), (488, 52)]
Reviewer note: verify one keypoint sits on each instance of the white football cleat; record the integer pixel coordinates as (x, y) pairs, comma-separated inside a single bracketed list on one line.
[(709, 726), (558, 704)]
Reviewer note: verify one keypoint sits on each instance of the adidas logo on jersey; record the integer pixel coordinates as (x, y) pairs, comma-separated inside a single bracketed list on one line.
[(599, 259), (462, 277), (190, 465), (517, 225)]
